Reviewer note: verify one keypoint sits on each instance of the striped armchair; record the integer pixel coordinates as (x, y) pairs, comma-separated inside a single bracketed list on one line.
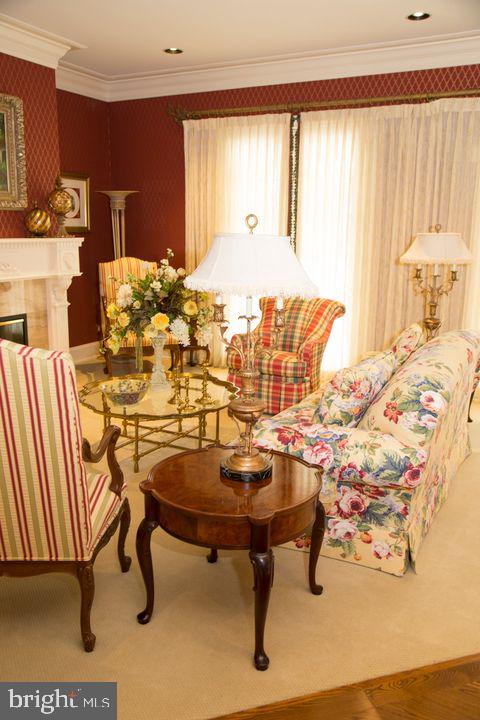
[(108, 274), (55, 512), (292, 371)]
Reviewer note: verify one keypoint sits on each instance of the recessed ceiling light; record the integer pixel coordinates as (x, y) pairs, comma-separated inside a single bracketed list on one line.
[(173, 51), (418, 15)]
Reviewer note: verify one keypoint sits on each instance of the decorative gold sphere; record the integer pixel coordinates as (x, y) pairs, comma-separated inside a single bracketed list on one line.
[(60, 200), (37, 221)]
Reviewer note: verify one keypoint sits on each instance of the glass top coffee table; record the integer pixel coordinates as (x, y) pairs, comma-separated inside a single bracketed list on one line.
[(164, 417)]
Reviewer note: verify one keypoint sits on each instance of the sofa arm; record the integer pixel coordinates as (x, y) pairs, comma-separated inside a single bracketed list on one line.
[(346, 454)]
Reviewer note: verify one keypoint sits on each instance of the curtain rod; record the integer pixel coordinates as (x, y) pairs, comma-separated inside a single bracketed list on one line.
[(179, 114)]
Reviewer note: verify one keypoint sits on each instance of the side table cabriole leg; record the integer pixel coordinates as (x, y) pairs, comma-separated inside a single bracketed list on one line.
[(318, 531), (212, 556), (144, 556), (261, 557)]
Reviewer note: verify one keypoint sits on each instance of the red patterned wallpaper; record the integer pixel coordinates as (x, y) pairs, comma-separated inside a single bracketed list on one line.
[(147, 145), (84, 134), (35, 85)]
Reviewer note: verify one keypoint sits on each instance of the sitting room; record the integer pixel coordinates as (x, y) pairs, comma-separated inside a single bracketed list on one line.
[(239, 359)]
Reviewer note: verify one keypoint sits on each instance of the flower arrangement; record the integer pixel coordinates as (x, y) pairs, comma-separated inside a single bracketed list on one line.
[(149, 306)]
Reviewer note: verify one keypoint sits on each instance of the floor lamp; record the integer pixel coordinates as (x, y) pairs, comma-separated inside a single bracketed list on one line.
[(117, 208), (441, 253)]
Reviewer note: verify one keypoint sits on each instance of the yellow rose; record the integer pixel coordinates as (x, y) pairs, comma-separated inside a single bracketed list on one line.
[(113, 344), (112, 311), (160, 321), (190, 308), (123, 320)]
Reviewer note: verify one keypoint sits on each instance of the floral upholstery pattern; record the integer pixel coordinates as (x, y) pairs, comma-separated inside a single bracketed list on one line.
[(407, 342), (352, 390), (382, 488), (51, 506), (292, 371)]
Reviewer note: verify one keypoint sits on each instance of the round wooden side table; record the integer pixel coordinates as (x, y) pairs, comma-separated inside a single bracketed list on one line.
[(187, 497)]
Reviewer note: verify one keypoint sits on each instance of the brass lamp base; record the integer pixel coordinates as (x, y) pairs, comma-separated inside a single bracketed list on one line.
[(246, 463), (246, 468)]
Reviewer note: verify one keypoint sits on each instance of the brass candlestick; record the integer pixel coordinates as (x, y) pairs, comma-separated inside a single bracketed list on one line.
[(186, 404), (432, 290), (205, 398)]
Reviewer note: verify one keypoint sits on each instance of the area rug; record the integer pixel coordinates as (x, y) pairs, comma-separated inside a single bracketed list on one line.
[(194, 659)]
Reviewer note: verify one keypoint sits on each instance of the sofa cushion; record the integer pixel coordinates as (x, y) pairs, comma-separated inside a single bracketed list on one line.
[(353, 389), (416, 398), (407, 342)]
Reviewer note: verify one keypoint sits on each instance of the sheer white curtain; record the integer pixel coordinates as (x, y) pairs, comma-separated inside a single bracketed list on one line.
[(233, 167), (370, 179)]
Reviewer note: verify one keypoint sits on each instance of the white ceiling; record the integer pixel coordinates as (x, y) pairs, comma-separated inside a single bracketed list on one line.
[(126, 37)]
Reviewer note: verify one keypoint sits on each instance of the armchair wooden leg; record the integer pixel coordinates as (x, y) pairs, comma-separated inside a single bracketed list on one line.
[(87, 588), (125, 560)]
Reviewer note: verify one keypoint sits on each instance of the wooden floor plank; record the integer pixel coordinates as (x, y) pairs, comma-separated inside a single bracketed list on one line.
[(448, 690)]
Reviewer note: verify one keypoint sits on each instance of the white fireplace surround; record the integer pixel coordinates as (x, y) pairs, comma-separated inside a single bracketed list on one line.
[(54, 260)]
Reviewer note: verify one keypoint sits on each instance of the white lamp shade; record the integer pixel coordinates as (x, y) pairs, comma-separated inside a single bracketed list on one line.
[(437, 249), (246, 264)]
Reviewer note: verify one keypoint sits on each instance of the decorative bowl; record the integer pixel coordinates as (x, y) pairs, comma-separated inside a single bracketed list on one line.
[(126, 391)]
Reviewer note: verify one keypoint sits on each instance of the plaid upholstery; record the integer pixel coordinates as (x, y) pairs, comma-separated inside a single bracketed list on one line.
[(44, 500), (298, 359), (117, 270)]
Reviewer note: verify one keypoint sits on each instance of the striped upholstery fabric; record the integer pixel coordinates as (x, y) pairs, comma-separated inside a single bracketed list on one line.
[(45, 511), (293, 370), (117, 270), (104, 505)]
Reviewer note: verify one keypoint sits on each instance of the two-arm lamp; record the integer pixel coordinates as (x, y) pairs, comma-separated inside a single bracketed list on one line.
[(441, 253), (249, 265)]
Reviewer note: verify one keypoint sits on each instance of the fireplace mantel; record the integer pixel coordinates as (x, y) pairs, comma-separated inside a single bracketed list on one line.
[(55, 260)]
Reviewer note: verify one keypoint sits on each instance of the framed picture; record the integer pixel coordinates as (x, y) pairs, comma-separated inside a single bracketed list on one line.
[(13, 180), (78, 185)]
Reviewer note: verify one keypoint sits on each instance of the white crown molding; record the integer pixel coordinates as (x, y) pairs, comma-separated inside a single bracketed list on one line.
[(30, 43), (461, 49)]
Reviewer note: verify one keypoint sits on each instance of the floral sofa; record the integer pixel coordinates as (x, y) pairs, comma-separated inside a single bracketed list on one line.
[(387, 474)]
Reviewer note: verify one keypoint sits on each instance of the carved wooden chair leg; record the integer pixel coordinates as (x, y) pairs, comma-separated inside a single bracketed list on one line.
[(144, 556), (87, 588), (125, 560)]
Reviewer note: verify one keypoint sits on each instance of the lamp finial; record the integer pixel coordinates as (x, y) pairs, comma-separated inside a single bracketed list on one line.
[(251, 221)]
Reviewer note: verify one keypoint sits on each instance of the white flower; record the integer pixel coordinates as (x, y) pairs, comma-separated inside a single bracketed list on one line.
[(124, 295), (181, 272), (179, 330), (344, 530), (164, 262), (169, 273), (381, 550), (203, 335), (156, 285), (137, 304)]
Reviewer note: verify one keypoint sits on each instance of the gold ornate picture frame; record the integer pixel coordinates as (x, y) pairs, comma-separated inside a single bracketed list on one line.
[(13, 176)]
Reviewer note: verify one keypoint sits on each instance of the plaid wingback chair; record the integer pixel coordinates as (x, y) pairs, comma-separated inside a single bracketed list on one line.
[(293, 370), (108, 274), (55, 512)]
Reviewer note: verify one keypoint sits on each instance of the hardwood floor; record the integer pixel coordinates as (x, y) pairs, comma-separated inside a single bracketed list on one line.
[(445, 691)]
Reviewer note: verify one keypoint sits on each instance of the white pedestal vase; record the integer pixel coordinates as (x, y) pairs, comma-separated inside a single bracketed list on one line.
[(159, 379)]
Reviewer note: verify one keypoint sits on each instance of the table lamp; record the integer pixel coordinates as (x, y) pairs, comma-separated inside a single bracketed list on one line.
[(250, 265), (438, 251)]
